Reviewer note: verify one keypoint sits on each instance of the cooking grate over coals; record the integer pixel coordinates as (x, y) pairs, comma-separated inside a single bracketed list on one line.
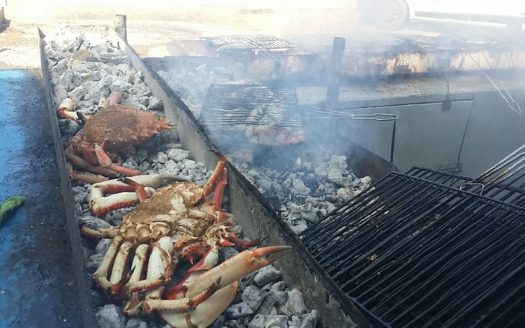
[(251, 104), (416, 253), (248, 42), (505, 181)]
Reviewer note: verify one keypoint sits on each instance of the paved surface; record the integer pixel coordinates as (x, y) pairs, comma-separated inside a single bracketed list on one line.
[(37, 286)]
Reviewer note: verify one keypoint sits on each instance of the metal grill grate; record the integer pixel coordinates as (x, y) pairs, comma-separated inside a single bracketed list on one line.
[(415, 253), (505, 181), (443, 178), (251, 104), (248, 42)]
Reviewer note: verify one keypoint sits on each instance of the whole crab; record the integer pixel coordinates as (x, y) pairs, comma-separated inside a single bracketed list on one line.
[(112, 131), (177, 223)]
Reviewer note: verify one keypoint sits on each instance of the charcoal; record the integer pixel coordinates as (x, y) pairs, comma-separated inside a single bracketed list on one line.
[(266, 275), (178, 154), (154, 103), (267, 305), (276, 321), (259, 321), (94, 261), (102, 245), (294, 305), (68, 127), (110, 316), (93, 222), (239, 310), (136, 323), (309, 320), (253, 296), (162, 158)]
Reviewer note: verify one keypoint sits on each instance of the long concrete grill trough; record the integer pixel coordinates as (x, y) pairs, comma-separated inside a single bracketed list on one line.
[(87, 66)]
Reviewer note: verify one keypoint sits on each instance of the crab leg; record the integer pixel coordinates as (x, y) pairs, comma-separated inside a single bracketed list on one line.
[(83, 176), (222, 279), (66, 109), (236, 267), (133, 305), (99, 233), (82, 163), (101, 275), (160, 269), (242, 244), (182, 305), (210, 184), (106, 162), (219, 190), (117, 273), (126, 192)]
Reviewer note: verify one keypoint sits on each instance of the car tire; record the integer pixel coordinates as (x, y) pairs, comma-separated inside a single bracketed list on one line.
[(386, 14)]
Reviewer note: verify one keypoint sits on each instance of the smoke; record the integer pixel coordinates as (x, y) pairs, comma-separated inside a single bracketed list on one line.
[(431, 73)]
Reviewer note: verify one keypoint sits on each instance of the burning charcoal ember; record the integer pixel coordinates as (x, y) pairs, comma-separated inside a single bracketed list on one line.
[(110, 316)]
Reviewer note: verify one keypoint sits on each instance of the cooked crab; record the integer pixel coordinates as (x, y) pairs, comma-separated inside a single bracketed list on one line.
[(113, 131), (177, 223)]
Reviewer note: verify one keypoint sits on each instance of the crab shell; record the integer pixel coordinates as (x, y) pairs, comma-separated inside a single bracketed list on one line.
[(171, 207), (117, 128)]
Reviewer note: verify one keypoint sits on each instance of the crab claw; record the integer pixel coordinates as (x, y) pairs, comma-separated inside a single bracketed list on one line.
[(236, 267)]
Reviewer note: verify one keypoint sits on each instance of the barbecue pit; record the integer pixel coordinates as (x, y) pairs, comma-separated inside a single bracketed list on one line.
[(428, 248)]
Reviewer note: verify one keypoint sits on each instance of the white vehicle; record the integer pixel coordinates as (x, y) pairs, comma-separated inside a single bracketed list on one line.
[(394, 14)]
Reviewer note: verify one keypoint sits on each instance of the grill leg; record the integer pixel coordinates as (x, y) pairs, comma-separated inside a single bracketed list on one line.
[(334, 80)]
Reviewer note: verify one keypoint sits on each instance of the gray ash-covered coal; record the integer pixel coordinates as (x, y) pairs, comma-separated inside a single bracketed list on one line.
[(309, 190), (90, 66)]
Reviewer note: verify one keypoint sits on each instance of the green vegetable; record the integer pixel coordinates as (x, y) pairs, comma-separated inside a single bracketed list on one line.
[(9, 205)]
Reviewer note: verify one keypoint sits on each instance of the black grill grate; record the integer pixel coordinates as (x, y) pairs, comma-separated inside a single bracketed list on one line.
[(504, 181), (251, 104), (443, 178), (415, 250)]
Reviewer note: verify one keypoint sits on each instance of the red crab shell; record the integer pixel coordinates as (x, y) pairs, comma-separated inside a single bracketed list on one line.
[(116, 129)]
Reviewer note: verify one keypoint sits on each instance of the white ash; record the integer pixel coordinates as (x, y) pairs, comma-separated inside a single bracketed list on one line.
[(309, 191), (88, 67)]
